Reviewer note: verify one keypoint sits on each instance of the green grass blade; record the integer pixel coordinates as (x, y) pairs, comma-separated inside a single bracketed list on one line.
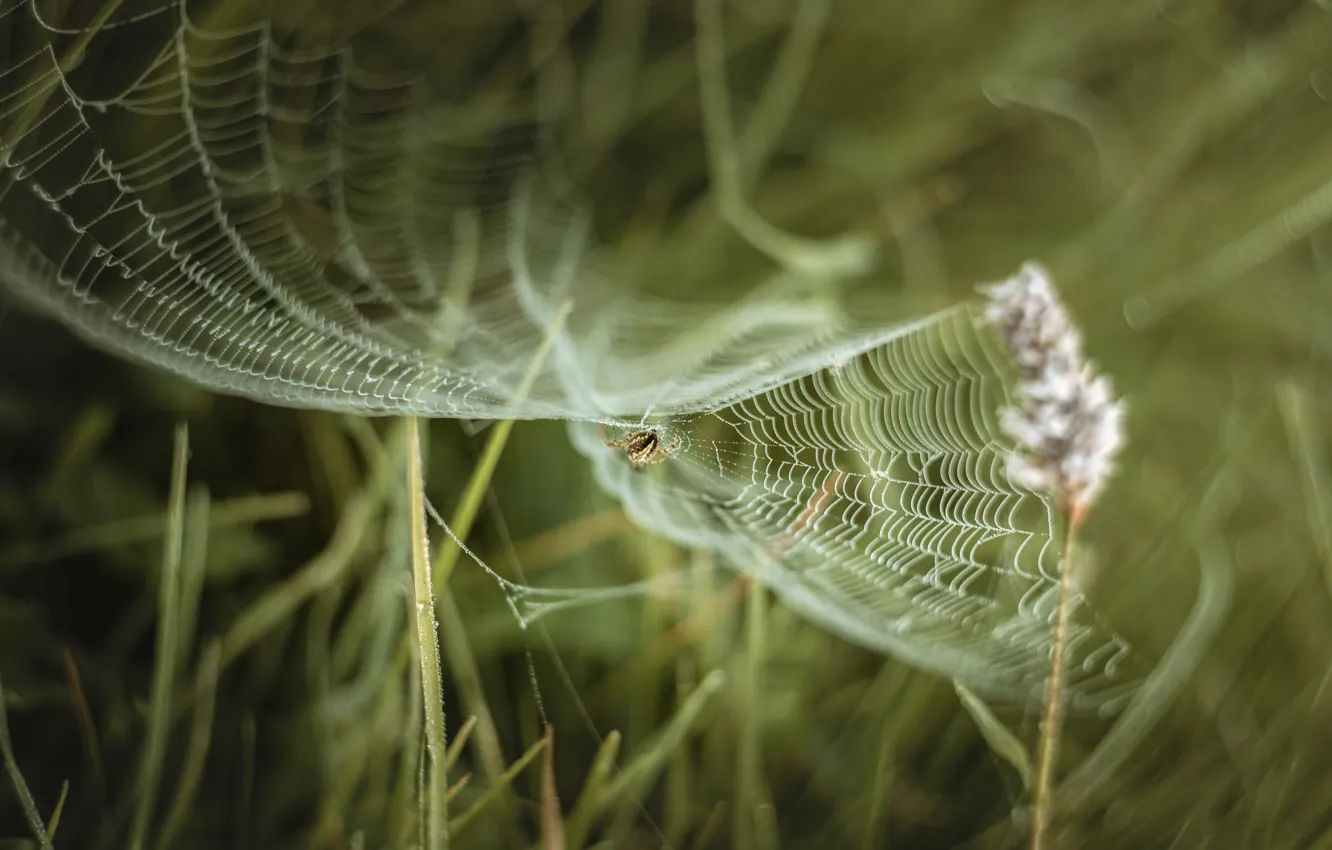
[(460, 823), (457, 645), (194, 568), (53, 825), (168, 639), (26, 800), (459, 741), (1300, 417), (712, 827), (749, 767), (277, 605), (427, 644), (654, 756), (446, 557), (78, 450), (1001, 740), (552, 819), (876, 822), (585, 808), (201, 732), (243, 511)]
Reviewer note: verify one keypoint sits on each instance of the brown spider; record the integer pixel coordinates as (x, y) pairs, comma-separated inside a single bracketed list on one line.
[(642, 446)]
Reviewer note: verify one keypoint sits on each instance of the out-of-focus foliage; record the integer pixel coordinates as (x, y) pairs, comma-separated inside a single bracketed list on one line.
[(1169, 161)]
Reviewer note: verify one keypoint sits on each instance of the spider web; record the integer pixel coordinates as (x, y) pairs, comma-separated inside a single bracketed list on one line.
[(872, 496), (321, 222), (327, 222)]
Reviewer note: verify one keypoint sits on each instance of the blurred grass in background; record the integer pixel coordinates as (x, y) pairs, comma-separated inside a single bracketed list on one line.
[(1169, 160)]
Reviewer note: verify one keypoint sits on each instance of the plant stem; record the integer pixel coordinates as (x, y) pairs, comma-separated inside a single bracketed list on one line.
[(167, 652), (1053, 718), (432, 686), (749, 768)]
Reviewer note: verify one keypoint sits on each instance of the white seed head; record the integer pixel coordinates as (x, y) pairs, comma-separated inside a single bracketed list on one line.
[(1066, 422)]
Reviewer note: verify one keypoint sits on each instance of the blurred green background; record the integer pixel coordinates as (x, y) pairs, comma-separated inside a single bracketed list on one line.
[(1170, 161)]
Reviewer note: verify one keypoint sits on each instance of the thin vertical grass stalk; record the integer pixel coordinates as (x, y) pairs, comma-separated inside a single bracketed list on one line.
[(84, 717), (201, 732), (588, 803), (192, 572), (53, 825), (193, 568), (404, 820), (1052, 719), (552, 819), (462, 662), (748, 756), (427, 642), (167, 654), (1067, 428), (876, 821), (446, 557), (30, 812)]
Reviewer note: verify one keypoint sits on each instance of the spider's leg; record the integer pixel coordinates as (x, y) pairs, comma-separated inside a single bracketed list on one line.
[(614, 444)]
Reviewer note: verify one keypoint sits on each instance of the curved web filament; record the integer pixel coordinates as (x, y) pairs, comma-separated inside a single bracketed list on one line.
[(327, 225), (872, 495), (324, 225)]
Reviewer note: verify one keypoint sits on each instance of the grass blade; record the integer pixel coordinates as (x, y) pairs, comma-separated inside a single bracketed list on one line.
[(459, 741), (460, 823), (749, 768), (446, 557), (876, 825), (462, 661), (712, 827), (29, 804), (53, 824), (201, 732), (1300, 418), (83, 715), (585, 808), (427, 644), (243, 511), (1002, 741), (650, 762), (168, 634), (552, 820)]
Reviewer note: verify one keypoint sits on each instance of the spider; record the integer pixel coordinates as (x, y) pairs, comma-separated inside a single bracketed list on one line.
[(642, 446)]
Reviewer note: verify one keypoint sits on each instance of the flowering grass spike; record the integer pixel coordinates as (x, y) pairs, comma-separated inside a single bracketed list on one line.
[(1068, 428), (1067, 424)]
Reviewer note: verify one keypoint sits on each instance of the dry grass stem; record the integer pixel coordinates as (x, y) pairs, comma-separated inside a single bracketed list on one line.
[(1067, 429)]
